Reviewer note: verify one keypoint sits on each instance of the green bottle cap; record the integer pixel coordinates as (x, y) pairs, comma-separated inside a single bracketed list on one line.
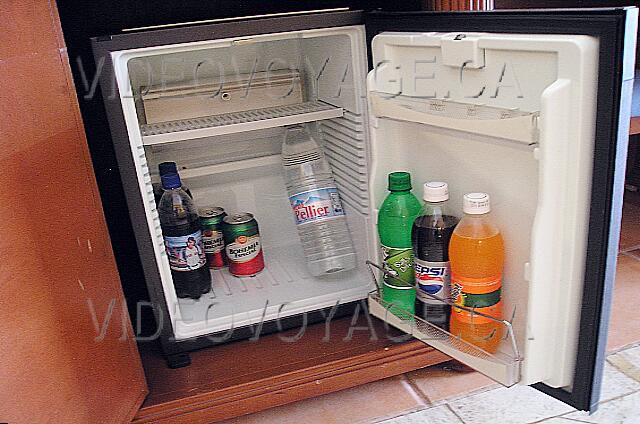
[(399, 181)]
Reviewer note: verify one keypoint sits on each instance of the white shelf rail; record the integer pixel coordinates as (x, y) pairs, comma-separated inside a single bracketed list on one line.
[(510, 124), (228, 123)]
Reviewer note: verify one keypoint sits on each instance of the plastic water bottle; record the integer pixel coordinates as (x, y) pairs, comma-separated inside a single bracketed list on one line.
[(431, 234), (315, 201), (183, 240), (395, 219)]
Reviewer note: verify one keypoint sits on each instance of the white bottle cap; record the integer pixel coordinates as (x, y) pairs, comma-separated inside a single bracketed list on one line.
[(435, 191), (476, 203)]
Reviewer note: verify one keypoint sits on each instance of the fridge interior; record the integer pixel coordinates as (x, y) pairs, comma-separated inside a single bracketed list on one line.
[(498, 133), (230, 157)]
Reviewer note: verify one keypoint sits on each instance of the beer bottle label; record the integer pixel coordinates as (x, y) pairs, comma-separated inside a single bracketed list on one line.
[(186, 253), (481, 294), (432, 278), (316, 205), (399, 262)]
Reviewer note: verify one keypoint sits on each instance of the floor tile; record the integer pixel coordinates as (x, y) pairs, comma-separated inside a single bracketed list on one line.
[(616, 384), (444, 381), (514, 405), (374, 401), (624, 327), (634, 253), (628, 361), (630, 231), (624, 410), (436, 415)]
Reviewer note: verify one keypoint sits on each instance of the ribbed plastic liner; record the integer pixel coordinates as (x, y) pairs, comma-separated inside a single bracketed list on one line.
[(345, 149)]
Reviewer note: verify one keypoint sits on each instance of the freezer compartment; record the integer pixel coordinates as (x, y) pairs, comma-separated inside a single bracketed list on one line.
[(234, 85), (204, 96)]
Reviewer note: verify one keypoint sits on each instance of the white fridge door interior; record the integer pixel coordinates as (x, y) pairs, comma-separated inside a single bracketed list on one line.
[(513, 116)]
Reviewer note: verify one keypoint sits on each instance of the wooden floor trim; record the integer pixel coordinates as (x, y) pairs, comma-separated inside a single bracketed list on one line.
[(286, 388)]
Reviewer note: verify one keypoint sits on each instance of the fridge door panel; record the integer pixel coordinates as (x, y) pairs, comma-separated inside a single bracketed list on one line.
[(545, 228), (564, 186)]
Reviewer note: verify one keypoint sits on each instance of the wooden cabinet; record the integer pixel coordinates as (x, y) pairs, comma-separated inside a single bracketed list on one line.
[(249, 376), (68, 348)]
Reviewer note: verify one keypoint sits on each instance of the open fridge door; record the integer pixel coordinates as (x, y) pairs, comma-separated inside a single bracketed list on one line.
[(537, 116)]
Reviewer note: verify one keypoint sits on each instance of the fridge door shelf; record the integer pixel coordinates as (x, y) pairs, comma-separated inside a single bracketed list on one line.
[(234, 122), (510, 124), (500, 366)]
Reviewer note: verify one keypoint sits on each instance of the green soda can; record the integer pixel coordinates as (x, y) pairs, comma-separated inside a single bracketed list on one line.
[(395, 221)]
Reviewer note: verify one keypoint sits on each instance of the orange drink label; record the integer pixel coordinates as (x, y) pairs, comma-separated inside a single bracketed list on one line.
[(480, 294)]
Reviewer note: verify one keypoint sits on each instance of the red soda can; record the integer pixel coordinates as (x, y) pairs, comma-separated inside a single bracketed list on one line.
[(242, 244), (212, 237)]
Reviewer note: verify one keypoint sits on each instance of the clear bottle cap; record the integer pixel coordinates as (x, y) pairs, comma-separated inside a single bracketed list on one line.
[(435, 191), (476, 203)]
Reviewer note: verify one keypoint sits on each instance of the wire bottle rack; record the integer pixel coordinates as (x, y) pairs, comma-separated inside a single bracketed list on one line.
[(502, 366)]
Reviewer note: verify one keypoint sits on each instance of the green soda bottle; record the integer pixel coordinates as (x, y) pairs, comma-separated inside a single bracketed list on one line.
[(395, 220)]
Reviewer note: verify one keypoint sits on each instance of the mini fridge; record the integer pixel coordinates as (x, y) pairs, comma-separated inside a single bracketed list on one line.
[(531, 107)]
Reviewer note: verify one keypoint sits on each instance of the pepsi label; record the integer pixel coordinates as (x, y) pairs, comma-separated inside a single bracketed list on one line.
[(433, 278)]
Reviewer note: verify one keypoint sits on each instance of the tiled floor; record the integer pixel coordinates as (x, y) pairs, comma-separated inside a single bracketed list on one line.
[(450, 394)]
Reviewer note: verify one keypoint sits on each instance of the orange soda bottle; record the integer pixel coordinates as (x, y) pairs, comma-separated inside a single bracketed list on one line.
[(476, 255)]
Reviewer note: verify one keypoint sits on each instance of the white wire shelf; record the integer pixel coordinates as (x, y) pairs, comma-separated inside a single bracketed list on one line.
[(228, 123), (503, 367)]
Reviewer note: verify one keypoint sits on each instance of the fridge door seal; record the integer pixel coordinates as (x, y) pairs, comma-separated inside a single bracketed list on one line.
[(615, 30)]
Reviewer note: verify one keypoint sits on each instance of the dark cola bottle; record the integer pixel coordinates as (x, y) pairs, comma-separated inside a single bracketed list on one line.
[(430, 236), (183, 240)]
